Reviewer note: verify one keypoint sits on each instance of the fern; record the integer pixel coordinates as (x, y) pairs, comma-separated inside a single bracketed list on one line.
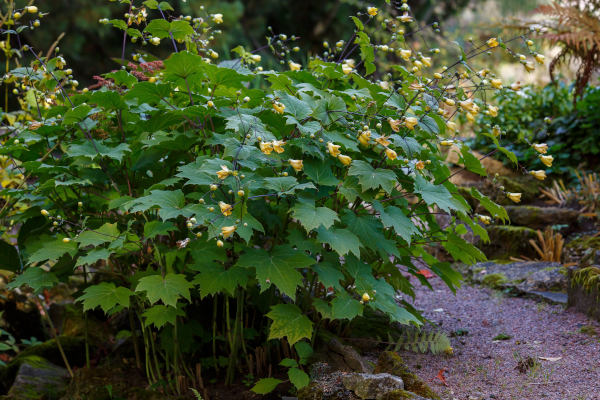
[(196, 394), (420, 341), (574, 26)]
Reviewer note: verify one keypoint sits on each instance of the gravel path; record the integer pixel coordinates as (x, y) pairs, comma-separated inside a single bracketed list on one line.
[(483, 368)]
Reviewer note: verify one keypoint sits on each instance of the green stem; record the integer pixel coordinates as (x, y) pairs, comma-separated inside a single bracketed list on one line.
[(134, 338), (214, 334), (175, 360), (229, 376), (86, 327), (55, 334)]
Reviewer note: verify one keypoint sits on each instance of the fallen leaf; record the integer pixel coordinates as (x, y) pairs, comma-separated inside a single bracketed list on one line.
[(438, 310), (426, 273), (551, 359), (441, 376)]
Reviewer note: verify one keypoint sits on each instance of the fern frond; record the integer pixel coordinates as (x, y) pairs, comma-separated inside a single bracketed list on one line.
[(423, 342)]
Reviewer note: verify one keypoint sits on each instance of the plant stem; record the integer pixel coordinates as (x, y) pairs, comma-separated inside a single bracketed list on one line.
[(214, 334), (136, 348), (55, 334), (86, 327)]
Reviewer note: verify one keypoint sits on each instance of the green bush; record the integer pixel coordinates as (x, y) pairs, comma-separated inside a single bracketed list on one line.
[(229, 211), (548, 114)]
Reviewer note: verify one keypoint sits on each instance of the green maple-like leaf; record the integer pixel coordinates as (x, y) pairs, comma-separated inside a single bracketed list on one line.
[(435, 194), (106, 233), (288, 321), (370, 231), (183, 64), (214, 279), (394, 217), (168, 289), (157, 228), (36, 278), (277, 267), (312, 217), (329, 276), (341, 240), (496, 210), (320, 173), (106, 296), (345, 307), (293, 105), (160, 315), (371, 178), (53, 250), (266, 385), (298, 377), (99, 149), (93, 256)]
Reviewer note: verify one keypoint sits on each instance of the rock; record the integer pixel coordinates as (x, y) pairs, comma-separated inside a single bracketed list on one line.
[(540, 217), (508, 241), (551, 297), (37, 378), (372, 325), (584, 250), (522, 277), (391, 363), (346, 358), (584, 290), (327, 387), (524, 184), (74, 348), (372, 386), (341, 385), (402, 395)]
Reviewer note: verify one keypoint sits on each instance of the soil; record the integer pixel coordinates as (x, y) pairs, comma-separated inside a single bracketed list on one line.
[(510, 369)]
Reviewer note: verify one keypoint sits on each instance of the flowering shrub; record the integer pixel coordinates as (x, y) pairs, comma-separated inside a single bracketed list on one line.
[(223, 206)]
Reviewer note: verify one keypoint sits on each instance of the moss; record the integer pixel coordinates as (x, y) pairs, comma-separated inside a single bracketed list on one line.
[(502, 336), (398, 395), (588, 330), (527, 186), (391, 363), (494, 281), (9, 373), (508, 240), (74, 348), (584, 242)]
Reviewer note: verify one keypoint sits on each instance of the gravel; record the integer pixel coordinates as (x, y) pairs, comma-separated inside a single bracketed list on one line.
[(483, 368)]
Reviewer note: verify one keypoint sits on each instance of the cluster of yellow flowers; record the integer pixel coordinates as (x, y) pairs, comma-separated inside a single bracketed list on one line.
[(542, 148), (268, 147)]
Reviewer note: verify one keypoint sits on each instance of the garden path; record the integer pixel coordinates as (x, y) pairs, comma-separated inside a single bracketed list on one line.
[(483, 368)]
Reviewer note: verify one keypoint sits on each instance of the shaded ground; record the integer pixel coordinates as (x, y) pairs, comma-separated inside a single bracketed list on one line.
[(483, 368)]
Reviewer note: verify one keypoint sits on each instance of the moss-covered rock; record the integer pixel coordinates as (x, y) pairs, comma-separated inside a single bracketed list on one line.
[(74, 348), (48, 352), (540, 217), (37, 379), (584, 250), (495, 281), (402, 395), (391, 363), (528, 186), (508, 241)]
